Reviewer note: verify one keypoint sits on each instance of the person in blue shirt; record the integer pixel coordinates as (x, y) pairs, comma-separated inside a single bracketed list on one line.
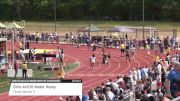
[(144, 73), (173, 76), (84, 97)]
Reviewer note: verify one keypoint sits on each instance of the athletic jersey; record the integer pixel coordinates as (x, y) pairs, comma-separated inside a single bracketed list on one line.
[(168, 50), (24, 66), (157, 58), (93, 59), (20, 45), (122, 46)]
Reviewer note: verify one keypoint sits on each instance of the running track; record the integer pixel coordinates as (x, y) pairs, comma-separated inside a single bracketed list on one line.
[(91, 78)]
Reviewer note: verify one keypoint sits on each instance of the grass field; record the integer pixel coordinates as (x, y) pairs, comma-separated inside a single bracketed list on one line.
[(71, 25), (37, 73)]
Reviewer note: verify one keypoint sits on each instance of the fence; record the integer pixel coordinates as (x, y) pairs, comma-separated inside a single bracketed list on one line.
[(130, 97)]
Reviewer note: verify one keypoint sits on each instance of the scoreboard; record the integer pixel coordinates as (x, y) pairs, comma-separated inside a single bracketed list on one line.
[(45, 87)]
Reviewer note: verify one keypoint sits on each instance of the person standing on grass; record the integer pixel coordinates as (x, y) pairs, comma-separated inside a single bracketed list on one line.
[(24, 70), (92, 61), (44, 56), (15, 68), (15, 64)]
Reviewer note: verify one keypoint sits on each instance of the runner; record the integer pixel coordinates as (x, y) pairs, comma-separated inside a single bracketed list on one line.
[(62, 56), (92, 61), (104, 59), (34, 54), (102, 50), (122, 48), (132, 53), (58, 53), (108, 57), (148, 47), (127, 55)]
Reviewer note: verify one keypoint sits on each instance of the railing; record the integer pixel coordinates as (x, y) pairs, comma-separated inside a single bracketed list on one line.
[(153, 85)]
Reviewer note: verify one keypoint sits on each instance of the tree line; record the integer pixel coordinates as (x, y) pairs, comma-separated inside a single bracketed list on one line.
[(130, 10)]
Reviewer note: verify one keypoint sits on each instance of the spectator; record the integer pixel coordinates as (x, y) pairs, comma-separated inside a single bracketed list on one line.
[(24, 70), (174, 75), (109, 94), (101, 96), (132, 81), (15, 68), (126, 78), (139, 74)]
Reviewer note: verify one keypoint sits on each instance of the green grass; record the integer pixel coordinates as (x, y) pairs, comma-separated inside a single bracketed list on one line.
[(73, 25), (48, 74), (37, 74), (105, 24), (3, 78), (4, 88)]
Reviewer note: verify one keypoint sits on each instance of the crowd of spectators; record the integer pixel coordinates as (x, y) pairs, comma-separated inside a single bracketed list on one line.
[(84, 38)]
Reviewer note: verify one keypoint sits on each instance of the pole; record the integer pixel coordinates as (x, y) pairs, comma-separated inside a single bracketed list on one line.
[(136, 34), (143, 19), (55, 15), (13, 58)]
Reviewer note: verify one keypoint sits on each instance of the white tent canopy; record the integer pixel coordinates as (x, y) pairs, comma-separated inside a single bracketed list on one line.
[(123, 29), (13, 25), (2, 26)]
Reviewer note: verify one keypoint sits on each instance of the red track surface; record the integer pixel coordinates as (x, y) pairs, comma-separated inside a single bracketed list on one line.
[(91, 78)]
